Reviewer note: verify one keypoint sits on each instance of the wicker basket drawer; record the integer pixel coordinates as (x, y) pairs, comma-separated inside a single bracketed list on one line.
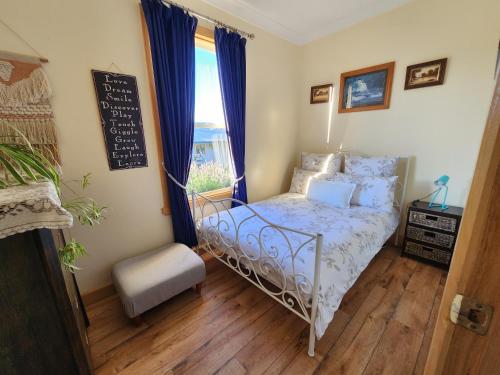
[(448, 224), (429, 236), (437, 255)]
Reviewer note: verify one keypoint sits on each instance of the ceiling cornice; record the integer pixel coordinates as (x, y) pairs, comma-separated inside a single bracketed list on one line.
[(306, 29)]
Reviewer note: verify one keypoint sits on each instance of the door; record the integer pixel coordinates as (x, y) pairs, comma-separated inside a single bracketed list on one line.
[(475, 268)]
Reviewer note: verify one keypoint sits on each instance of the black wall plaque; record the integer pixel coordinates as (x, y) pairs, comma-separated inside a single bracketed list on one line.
[(120, 110)]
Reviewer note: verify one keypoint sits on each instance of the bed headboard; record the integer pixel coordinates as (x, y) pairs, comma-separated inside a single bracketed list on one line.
[(402, 173)]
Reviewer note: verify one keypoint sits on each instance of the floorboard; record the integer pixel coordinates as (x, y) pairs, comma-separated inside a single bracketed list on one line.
[(383, 326)]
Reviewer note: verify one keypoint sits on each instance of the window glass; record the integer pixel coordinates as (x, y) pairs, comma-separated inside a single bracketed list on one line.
[(211, 166)]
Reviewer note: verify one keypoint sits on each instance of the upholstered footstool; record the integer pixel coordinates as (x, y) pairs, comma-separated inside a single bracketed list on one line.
[(146, 280)]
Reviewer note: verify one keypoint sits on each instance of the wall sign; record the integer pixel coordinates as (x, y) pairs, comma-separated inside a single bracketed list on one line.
[(120, 110)]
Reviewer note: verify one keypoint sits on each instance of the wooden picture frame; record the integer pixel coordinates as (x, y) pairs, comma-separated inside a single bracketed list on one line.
[(429, 73), (321, 93), (497, 65), (373, 86)]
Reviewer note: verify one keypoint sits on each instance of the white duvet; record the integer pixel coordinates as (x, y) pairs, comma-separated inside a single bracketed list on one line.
[(352, 237)]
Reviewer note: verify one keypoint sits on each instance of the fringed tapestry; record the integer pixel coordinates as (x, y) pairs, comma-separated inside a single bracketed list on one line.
[(25, 106)]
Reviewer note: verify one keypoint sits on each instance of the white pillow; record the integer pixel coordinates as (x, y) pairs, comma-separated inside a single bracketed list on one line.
[(336, 194), (380, 166), (374, 192), (324, 163), (300, 180)]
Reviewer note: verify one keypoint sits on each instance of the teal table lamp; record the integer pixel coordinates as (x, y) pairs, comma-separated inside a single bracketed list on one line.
[(441, 184)]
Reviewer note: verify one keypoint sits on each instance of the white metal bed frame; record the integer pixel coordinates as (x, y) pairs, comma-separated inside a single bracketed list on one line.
[(256, 268)]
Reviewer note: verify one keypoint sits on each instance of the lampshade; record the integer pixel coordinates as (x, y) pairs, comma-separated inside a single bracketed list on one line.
[(442, 181)]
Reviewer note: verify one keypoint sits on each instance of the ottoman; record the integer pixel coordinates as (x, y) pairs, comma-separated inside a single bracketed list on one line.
[(146, 280)]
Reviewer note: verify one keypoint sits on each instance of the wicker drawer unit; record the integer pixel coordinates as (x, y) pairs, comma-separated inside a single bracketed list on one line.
[(430, 236), (448, 224), (427, 252), (431, 233)]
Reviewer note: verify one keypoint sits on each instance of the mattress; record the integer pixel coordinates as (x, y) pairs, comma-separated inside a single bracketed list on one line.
[(352, 237)]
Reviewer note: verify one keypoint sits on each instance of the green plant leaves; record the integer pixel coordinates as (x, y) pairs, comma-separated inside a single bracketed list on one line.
[(69, 253), (86, 180), (207, 177), (23, 164), (12, 170), (85, 210)]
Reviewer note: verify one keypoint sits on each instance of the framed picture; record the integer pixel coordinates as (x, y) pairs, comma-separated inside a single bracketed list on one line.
[(321, 94), (430, 73), (366, 89)]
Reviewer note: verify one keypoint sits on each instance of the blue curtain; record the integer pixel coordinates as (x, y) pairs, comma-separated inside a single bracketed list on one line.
[(231, 62), (171, 35)]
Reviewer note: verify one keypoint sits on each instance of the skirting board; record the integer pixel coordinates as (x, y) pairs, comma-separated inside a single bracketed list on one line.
[(98, 294)]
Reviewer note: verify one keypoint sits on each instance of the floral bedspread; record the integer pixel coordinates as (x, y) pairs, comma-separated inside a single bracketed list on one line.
[(352, 237)]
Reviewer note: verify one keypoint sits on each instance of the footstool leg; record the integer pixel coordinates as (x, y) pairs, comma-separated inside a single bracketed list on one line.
[(198, 288), (137, 320)]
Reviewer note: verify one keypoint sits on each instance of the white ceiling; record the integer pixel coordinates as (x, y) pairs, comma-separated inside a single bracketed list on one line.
[(301, 21)]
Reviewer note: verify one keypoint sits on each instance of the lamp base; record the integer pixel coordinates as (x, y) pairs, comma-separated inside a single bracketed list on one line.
[(436, 194), (443, 206)]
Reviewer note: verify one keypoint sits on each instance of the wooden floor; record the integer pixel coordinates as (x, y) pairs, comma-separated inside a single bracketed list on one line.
[(383, 327)]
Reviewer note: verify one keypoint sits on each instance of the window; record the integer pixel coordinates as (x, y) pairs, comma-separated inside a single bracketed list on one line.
[(211, 166)]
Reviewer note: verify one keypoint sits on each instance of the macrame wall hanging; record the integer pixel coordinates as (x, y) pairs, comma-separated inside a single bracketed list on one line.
[(25, 106)]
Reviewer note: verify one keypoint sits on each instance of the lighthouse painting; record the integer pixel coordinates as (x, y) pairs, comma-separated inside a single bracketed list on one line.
[(366, 89)]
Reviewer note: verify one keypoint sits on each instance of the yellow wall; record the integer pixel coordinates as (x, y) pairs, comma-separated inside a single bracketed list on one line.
[(77, 36), (440, 126)]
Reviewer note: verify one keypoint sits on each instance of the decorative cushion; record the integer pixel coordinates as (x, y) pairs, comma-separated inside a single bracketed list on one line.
[(149, 279), (300, 180), (333, 193), (380, 166), (325, 163), (374, 192)]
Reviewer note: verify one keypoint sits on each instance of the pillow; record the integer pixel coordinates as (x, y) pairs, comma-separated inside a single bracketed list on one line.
[(325, 163), (300, 180), (333, 193), (374, 192), (382, 166)]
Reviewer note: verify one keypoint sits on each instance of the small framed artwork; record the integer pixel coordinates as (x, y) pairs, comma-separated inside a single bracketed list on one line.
[(430, 73), (321, 94), (366, 89)]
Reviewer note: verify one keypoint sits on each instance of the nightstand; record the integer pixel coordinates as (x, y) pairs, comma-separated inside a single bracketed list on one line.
[(431, 233)]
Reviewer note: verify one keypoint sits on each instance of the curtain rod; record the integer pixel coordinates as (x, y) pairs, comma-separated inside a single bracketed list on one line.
[(211, 20), (21, 57)]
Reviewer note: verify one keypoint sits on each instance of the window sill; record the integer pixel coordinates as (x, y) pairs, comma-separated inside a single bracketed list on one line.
[(213, 195)]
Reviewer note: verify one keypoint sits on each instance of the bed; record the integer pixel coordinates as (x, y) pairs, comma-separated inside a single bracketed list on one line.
[(305, 254)]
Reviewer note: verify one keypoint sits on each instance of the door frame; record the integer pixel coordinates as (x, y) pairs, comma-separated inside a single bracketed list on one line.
[(468, 248)]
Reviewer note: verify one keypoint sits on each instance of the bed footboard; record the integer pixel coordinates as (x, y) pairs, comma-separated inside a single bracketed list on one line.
[(266, 256)]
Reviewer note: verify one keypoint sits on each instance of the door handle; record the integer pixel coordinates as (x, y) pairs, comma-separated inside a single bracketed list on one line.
[(471, 314)]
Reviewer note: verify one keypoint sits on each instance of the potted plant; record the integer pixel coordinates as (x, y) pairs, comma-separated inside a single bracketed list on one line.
[(23, 164)]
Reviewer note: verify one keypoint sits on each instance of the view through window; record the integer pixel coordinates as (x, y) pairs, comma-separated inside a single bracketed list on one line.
[(211, 166)]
